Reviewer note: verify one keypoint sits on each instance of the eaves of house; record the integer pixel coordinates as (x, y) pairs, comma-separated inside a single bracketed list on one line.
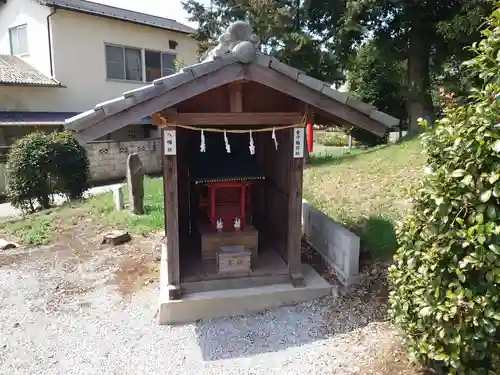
[(107, 11), (16, 71)]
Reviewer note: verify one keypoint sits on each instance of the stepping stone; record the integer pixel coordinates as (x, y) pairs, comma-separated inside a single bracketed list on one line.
[(6, 245), (116, 237)]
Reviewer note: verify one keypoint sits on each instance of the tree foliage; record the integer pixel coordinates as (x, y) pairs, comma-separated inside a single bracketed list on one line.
[(41, 165), (377, 76), (280, 26), (429, 35), (446, 278)]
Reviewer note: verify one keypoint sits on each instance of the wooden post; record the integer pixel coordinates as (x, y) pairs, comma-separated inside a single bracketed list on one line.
[(294, 225), (171, 214)]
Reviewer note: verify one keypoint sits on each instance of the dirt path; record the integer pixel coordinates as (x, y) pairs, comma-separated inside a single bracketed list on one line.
[(79, 307)]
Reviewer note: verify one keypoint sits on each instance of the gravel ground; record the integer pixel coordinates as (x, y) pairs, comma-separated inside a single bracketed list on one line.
[(64, 316)]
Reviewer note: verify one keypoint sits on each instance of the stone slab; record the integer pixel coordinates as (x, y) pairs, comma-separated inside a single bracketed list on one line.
[(116, 237), (222, 303), (6, 245)]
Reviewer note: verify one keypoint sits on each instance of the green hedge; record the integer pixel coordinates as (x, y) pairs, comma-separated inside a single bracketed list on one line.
[(41, 165), (445, 283)]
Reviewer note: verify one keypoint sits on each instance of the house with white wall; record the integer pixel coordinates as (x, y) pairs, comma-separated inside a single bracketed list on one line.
[(60, 57)]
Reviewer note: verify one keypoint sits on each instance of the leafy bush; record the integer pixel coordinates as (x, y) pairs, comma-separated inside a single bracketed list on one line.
[(445, 283), (71, 164), (41, 165), (331, 139)]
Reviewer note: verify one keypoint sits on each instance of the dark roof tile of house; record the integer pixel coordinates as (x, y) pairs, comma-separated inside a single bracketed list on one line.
[(16, 71), (119, 14)]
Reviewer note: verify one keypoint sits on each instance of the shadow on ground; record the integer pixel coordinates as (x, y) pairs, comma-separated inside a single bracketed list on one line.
[(294, 326), (378, 237), (271, 331)]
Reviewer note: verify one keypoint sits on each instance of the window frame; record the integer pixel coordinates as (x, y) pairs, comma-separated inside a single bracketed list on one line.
[(17, 28), (123, 48), (161, 60), (143, 62)]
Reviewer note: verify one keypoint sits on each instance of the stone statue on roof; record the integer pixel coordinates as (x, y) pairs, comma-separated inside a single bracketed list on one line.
[(239, 40)]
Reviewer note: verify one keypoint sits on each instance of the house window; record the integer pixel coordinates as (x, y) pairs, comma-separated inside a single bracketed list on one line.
[(18, 40), (158, 64), (123, 63)]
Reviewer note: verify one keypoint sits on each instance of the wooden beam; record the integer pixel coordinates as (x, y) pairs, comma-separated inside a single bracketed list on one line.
[(236, 118), (286, 85), (294, 225), (169, 99), (171, 217), (235, 96)]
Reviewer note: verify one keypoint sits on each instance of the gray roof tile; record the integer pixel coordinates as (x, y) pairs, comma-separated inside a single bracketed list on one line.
[(310, 82), (334, 94), (384, 118), (188, 74), (16, 71), (359, 105), (119, 14), (285, 69)]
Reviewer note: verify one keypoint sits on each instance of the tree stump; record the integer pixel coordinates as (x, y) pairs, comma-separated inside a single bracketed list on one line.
[(135, 183)]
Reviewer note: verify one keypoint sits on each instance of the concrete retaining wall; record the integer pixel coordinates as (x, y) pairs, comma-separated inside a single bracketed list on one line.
[(338, 246), (108, 159)]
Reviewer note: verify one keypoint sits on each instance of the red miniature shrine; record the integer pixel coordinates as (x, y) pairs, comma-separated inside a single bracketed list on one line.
[(224, 182), (226, 203)]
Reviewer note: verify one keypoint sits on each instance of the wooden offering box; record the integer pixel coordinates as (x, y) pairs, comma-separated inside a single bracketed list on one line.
[(233, 260), (212, 241)]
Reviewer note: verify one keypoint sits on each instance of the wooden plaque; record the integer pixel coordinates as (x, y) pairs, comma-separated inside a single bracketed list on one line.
[(234, 260)]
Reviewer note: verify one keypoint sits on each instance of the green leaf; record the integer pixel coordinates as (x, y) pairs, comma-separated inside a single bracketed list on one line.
[(496, 146), (458, 173), (485, 196), (426, 311), (495, 248), (467, 180), (491, 212), (494, 178)]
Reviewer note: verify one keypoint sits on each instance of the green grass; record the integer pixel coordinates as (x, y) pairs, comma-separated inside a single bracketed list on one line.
[(368, 191), (96, 212)]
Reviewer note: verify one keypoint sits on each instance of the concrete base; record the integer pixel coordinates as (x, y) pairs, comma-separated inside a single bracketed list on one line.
[(221, 303)]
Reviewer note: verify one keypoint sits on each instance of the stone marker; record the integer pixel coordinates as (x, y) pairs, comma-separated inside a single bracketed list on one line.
[(6, 245), (118, 198), (135, 183), (116, 237)]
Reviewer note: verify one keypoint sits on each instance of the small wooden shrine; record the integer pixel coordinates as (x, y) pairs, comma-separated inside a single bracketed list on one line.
[(233, 146)]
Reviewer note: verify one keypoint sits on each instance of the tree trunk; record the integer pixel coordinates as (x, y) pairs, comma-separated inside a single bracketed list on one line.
[(419, 100)]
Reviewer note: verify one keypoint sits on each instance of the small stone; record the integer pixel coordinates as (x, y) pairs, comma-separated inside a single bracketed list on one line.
[(17, 324), (6, 245), (116, 237)]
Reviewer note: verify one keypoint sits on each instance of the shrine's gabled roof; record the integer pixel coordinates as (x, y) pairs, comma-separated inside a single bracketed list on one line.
[(232, 60)]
